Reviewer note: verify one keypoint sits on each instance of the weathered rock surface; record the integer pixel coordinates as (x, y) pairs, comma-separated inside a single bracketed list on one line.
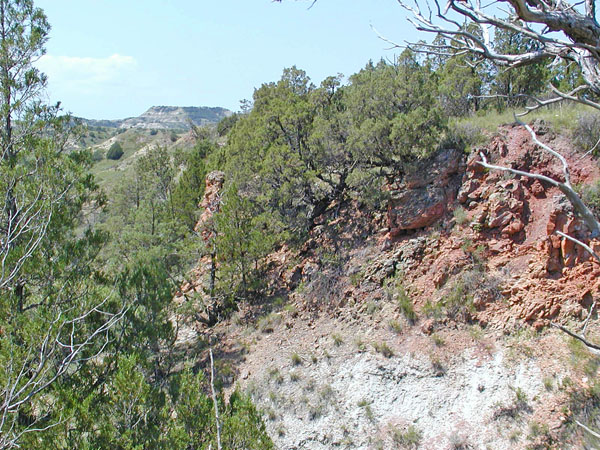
[(196, 288), (513, 220), (424, 196), (210, 203), (348, 396)]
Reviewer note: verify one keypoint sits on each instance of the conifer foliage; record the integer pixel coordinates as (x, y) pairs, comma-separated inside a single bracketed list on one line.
[(84, 317)]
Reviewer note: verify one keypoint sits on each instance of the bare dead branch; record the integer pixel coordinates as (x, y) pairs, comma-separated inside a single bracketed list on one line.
[(592, 432), (568, 34), (561, 158), (521, 173), (587, 319), (214, 397), (582, 244), (588, 344), (565, 187), (591, 149)]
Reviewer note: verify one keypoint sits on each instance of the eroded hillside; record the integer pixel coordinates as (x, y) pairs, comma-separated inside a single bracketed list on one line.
[(427, 326)]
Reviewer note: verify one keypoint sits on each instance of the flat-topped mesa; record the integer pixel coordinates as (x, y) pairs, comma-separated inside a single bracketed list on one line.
[(166, 118)]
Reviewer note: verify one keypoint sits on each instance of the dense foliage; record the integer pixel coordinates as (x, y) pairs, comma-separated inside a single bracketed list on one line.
[(87, 335), (115, 152)]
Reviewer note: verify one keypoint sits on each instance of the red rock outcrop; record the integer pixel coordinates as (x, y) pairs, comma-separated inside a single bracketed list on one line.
[(423, 197), (210, 203), (504, 247), (515, 219), (196, 285)]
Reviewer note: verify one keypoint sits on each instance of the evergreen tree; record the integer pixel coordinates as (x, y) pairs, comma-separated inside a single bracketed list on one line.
[(49, 291), (517, 84), (396, 118), (115, 151), (242, 239)]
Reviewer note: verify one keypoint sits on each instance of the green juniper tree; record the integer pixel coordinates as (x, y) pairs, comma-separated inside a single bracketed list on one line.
[(517, 85), (54, 316)]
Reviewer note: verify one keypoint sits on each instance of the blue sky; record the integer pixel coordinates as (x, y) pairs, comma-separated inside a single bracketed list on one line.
[(116, 58)]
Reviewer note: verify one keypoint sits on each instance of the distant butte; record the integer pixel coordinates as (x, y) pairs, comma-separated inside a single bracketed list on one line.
[(166, 117)]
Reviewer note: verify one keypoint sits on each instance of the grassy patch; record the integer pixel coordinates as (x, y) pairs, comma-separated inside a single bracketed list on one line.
[(513, 410), (395, 326), (296, 359), (337, 339), (384, 349), (438, 340), (267, 324), (410, 437), (275, 375), (405, 305), (360, 344), (562, 118), (460, 215), (295, 375)]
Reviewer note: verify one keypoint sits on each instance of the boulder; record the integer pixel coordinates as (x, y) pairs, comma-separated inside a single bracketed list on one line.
[(423, 196)]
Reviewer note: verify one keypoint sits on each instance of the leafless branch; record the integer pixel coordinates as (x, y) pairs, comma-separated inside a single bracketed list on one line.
[(587, 319), (588, 344), (214, 397), (592, 432), (568, 34), (591, 149), (582, 244), (59, 352)]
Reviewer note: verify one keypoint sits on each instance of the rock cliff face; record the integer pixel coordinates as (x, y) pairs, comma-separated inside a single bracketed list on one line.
[(210, 203), (197, 287), (424, 196), (501, 244)]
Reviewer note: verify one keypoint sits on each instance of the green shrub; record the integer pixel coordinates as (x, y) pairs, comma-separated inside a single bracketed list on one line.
[(384, 349), (410, 438), (115, 152), (462, 135), (226, 124), (438, 340), (405, 305), (395, 326), (267, 324), (360, 344), (460, 216), (337, 339), (438, 367), (587, 131), (296, 359)]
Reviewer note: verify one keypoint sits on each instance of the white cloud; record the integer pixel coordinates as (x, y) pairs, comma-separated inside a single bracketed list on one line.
[(86, 73)]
